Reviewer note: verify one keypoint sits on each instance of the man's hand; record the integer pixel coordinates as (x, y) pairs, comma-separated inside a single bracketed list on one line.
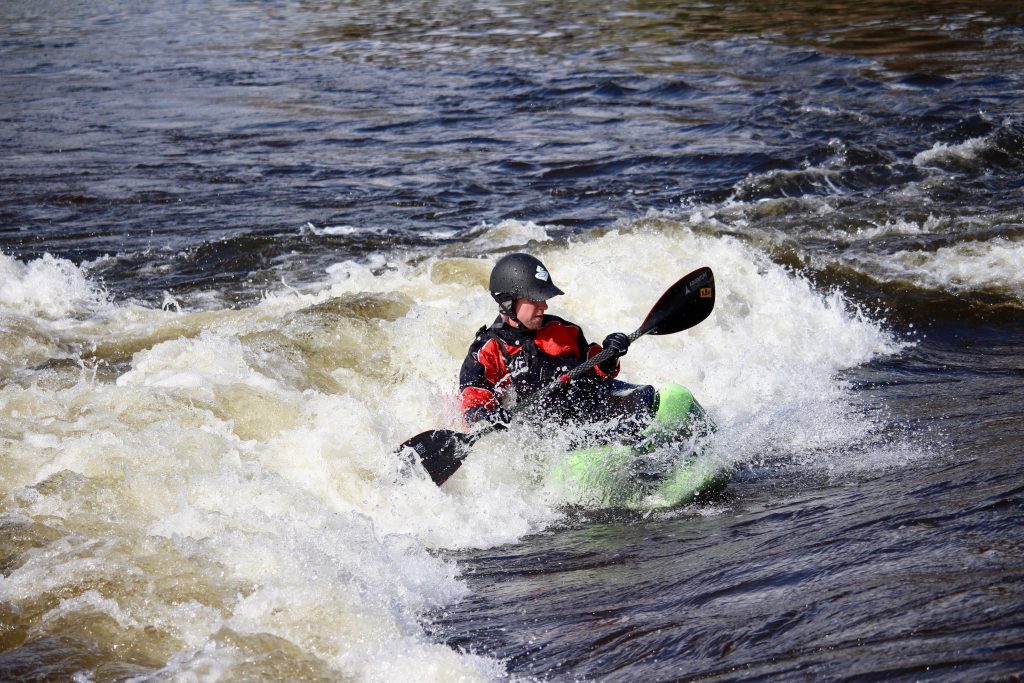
[(498, 417), (618, 342)]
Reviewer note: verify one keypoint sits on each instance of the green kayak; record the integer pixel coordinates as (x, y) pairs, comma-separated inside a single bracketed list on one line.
[(671, 465)]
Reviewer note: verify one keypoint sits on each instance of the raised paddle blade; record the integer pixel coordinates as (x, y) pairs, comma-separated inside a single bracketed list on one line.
[(683, 305), (441, 451)]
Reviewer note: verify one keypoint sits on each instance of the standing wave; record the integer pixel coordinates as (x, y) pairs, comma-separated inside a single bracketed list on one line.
[(193, 493)]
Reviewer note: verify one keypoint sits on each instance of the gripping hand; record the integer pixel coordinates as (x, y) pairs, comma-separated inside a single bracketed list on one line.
[(498, 417), (618, 342)]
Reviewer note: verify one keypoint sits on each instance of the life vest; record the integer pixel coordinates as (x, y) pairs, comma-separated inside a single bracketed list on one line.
[(507, 364)]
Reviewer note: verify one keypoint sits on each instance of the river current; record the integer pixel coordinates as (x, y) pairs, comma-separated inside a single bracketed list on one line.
[(244, 248)]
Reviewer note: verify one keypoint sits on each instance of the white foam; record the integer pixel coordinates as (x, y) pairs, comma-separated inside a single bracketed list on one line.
[(47, 287), (282, 531), (897, 226), (241, 471), (941, 154), (765, 363), (993, 265), (967, 266)]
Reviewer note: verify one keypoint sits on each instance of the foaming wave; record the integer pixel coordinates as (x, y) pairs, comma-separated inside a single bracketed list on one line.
[(766, 363), (229, 501), (39, 301), (206, 511), (899, 226), (47, 287), (992, 266), (953, 155), (1000, 148)]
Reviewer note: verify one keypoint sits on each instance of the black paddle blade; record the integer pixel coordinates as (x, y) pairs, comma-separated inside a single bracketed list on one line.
[(683, 305), (441, 451)]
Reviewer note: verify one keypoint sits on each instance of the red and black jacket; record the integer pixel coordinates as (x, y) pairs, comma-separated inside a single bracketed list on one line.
[(506, 360)]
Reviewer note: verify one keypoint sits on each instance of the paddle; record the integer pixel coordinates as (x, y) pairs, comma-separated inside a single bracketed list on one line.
[(683, 305)]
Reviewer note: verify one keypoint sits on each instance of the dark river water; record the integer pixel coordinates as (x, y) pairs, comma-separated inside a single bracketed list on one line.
[(244, 248)]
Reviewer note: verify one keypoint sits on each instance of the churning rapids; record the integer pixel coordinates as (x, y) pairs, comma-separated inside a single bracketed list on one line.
[(243, 250)]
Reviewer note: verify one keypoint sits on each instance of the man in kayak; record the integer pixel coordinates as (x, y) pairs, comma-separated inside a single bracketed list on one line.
[(525, 349)]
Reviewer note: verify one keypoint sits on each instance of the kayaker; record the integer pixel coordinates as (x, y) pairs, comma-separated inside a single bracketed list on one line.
[(525, 349)]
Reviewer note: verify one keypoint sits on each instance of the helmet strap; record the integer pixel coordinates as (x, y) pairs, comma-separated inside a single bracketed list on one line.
[(506, 310)]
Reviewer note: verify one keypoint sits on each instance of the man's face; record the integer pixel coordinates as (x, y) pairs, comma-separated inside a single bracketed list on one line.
[(530, 313)]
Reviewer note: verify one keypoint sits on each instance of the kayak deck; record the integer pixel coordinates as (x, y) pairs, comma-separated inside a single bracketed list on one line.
[(671, 465)]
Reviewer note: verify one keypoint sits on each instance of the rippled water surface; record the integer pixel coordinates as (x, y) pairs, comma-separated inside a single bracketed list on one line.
[(243, 249)]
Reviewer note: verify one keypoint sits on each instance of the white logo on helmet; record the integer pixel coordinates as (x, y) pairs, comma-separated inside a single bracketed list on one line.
[(541, 273)]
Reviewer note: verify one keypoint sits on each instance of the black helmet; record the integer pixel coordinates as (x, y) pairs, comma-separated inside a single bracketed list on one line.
[(521, 276)]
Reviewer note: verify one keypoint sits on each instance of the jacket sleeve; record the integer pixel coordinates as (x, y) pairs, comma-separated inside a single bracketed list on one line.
[(610, 369), (483, 367)]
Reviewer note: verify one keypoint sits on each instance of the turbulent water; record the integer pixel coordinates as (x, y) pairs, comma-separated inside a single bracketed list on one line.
[(243, 250)]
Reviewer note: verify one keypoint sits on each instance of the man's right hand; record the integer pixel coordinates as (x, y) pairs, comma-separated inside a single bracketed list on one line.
[(618, 342)]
